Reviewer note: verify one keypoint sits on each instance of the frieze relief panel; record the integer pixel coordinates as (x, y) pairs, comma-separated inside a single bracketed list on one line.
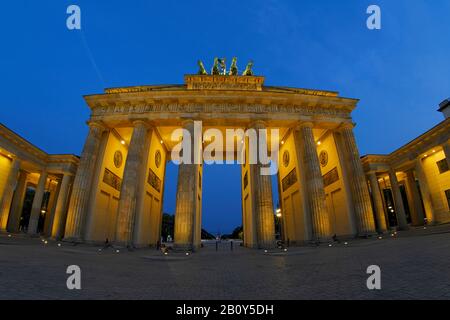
[(153, 180), (330, 177), (112, 179), (289, 180), (219, 108)]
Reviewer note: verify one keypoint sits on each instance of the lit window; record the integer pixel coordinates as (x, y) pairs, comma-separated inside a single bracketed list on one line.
[(442, 166), (447, 193)]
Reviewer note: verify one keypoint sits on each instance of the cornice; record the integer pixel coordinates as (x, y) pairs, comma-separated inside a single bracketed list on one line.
[(27, 151), (436, 135), (22, 144), (412, 150), (181, 96)]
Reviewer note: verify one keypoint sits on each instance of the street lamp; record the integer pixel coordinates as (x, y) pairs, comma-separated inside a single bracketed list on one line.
[(278, 213), (279, 223)]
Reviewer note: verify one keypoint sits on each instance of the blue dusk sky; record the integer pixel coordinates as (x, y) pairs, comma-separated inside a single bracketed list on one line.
[(400, 73)]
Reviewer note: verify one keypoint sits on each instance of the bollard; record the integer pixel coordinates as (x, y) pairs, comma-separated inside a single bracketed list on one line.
[(231, 245), (217, 245)]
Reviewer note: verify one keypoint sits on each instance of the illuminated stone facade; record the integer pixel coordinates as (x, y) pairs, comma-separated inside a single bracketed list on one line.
[(318, 198), (325, 190), (411, 186), (34, 187)]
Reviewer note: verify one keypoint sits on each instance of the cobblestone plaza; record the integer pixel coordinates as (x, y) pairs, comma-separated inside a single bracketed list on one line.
[(414, 265)]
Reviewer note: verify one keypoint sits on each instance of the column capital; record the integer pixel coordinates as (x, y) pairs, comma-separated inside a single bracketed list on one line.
[(68, 174), (371, 173), (187, 122), (141, 123), (257, 124), (16, 162), (392, 171), (346, 125), (305, 124), (96, 124)]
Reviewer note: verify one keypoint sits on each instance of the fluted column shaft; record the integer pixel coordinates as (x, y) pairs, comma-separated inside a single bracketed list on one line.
[(130, 184), (358, 184), (398, 200), (60, 215), (265, 223), (417, 214), (17, 203), (82, 184), (8, 192), (425, 190), (378, 202), (37, 204), (186, 203), (315, 192)]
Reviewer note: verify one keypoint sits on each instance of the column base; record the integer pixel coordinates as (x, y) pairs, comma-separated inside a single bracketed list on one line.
[(321, 239), (368, 234), (73, 240), (271, 245), (404, 228), (122, 245), (185, 247)]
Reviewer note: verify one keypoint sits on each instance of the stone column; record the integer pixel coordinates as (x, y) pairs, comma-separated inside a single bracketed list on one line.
[(17, 203), (10, 185), (378, 202), (358, 185), (425, 190), (314, 187), (446, 147), (50, 213), (82, 185), (417, 215), (398, 200), (130, 184), (60, 215), (186, 203), (37, 204), (265, 219)]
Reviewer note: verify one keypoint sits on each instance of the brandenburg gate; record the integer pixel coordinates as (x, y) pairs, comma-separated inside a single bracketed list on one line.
[(118, 189)]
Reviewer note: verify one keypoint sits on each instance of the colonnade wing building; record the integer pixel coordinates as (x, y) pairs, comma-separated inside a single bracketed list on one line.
[(411, 186), (114, 192), (34, 187)]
